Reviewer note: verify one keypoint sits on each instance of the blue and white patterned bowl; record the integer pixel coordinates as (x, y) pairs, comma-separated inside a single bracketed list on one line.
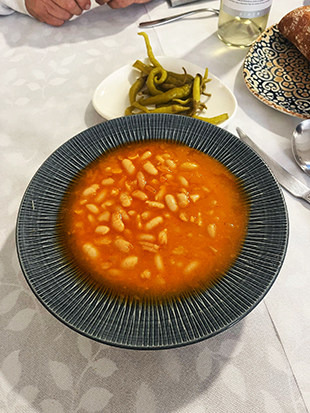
[(150, 324), (278, 74)]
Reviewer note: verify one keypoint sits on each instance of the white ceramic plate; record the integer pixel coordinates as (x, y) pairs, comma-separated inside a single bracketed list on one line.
[(111, 97)]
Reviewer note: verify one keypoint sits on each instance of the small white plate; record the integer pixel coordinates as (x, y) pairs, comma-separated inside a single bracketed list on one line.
[(111, 97)]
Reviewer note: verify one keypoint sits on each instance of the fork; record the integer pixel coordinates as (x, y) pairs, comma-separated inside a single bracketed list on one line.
[(165, 20)]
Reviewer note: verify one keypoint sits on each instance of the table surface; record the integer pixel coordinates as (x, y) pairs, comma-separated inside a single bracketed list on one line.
[(48, 77)]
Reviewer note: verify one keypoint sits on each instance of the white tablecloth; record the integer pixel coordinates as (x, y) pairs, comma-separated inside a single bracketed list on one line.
[(48, 77)]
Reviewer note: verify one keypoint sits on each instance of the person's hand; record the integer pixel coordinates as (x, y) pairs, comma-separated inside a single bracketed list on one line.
[(56, 12), (118, 4)]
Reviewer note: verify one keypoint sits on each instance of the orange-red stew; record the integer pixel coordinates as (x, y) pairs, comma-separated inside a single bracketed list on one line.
[(155, 219)]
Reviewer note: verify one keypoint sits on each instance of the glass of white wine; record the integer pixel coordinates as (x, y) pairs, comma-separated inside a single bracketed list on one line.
[(242, 21)]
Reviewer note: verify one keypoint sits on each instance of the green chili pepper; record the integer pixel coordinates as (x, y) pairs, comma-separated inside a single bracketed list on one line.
[(183, 101), (180, 78), (167, 86), (204, 81), (129, 110), (135, 88), (215, 120), (153, 78), (150, 53), (195, 94), (196, 89), (163, 109), (168, 91), (146, 69), (176, 93), (205, 76)]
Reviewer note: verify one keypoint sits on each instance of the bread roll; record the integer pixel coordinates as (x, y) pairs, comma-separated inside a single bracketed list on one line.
[(295, 26)]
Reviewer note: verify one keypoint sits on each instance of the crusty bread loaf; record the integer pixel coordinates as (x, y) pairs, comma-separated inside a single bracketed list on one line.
[(295, 26)]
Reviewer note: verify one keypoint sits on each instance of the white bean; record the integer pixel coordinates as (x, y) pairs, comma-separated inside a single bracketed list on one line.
[(154, 222), (149, 246), (116, 221), (194, 197), (183, 181), (91, 190), (170, 163), (188, 166), (161, 193), (114, 272), (146, 155), (101, 196), (154, 204), (139, 195), (108, 203), (171, 203), (159, 262), (124, 214), (182, 200), (129, 166), (123, 245), (131, 185), (102, 229), (179, 250), (129, 262), (107, 181), (93, 208), (91, 218), (192, 266), (159, 158), (211, 228), (184, 217), (150, 189), (146, 215), (146, 274), (90, 250), (147, 237), (141, 180), (116, 170), (125, 199), (150, 168), (103, 241), (163, 236), (104, 216)]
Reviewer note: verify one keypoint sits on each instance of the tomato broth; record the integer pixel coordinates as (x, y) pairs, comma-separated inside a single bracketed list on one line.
[(155, 218)]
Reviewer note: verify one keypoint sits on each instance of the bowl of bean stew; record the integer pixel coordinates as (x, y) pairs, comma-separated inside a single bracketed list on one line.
[(152, 231)]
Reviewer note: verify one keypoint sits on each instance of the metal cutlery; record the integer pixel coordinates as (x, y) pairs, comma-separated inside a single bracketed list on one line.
[(285, 179), (165, 20)]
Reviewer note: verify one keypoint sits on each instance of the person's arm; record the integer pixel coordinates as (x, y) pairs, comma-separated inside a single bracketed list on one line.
[(9, 6), (119, 4), (52, 12)]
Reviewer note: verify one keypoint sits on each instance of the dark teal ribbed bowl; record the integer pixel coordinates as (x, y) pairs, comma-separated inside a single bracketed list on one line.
[(150, 324)]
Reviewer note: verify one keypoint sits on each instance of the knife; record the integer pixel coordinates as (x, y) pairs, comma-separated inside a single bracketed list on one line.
[(285, 179)]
